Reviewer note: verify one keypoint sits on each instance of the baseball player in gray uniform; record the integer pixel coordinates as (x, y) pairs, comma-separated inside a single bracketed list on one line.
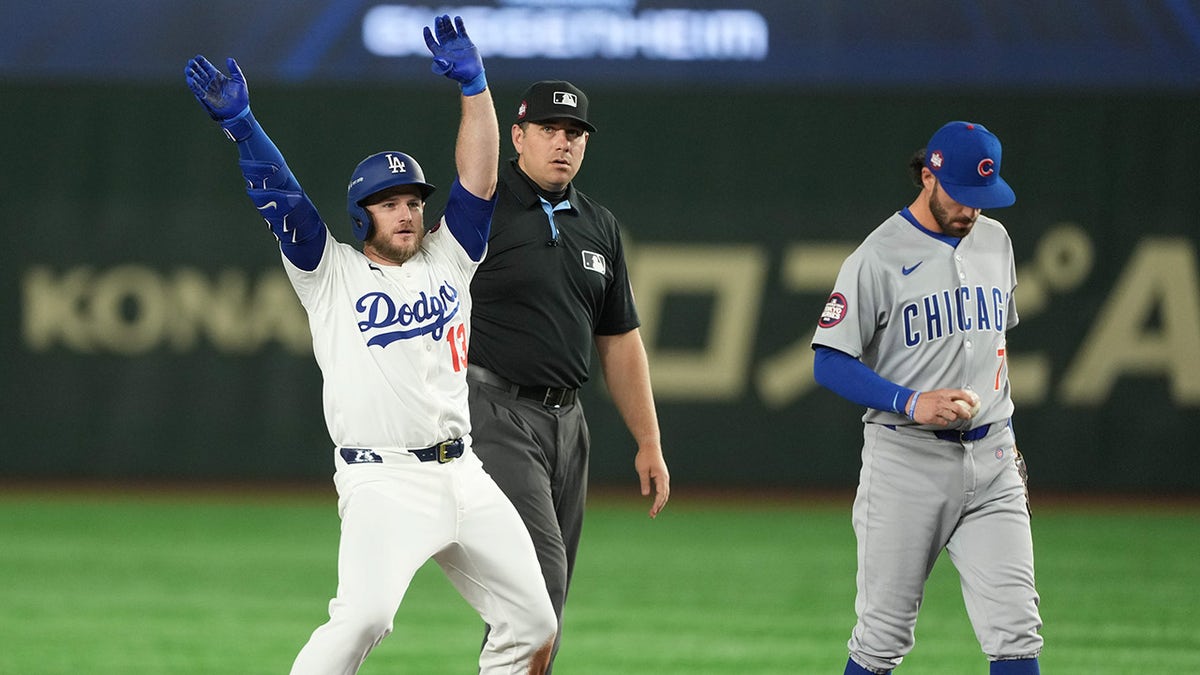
[(915, 331), (390, 327)]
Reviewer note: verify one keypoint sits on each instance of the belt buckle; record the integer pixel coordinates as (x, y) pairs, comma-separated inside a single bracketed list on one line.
[(550, 394), (441, 452)]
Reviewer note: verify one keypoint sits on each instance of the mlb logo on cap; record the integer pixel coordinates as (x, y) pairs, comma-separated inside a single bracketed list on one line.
[(554, 99), (965, 158)]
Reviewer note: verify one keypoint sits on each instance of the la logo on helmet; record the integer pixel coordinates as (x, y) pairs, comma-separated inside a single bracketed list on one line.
[(396, 164)]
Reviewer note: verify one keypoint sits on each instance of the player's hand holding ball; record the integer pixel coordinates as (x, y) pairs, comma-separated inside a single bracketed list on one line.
[(223, 97), (969, 405), (454, 55), (944, 406)]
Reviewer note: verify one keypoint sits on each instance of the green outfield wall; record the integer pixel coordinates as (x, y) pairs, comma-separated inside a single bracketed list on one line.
[(149, 331)]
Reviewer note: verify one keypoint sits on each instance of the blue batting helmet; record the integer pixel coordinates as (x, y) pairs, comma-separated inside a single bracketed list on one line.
[(380, 172)]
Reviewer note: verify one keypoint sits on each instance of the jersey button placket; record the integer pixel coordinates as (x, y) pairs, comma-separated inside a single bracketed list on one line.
[(962, 277)]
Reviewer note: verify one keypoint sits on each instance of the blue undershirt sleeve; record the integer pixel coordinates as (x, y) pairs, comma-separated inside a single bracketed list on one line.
[(469, 219), (851, 379)]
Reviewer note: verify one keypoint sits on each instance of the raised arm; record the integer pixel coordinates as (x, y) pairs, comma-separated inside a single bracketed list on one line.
[(270, 184), (477, 152)]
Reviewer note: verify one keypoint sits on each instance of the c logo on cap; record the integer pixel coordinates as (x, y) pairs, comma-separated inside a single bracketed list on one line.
[(985, 167)]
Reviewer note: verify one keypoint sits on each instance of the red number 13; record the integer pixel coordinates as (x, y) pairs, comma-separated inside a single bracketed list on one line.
[(457, 337)]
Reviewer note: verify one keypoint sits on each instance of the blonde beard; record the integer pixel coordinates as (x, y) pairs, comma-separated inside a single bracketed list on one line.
[(392, 254)]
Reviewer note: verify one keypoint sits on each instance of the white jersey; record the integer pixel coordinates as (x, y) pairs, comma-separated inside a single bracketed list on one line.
[(391, 342), (927, 315)]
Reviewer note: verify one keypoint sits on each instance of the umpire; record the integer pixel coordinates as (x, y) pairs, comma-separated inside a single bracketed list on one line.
[(553, 282)]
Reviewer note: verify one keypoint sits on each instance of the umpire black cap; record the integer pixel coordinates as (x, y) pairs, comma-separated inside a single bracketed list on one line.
[(550, 99)]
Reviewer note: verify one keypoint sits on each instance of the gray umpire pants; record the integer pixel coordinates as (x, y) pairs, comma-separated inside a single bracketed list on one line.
[(539, 458)]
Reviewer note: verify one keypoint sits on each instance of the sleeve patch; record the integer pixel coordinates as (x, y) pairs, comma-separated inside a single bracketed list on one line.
[(835, 310)]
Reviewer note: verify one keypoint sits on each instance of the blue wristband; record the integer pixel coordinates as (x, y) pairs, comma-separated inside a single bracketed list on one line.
[(476, 85), (912, 406)]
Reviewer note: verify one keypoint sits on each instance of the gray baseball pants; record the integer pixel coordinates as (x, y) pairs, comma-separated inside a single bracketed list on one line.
[(918, 495), (539, 458)]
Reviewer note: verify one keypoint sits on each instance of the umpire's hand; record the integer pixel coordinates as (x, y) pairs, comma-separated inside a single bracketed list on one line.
[(652, 468)]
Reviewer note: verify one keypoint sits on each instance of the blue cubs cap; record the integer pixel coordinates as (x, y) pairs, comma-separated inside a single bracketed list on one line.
[(965, 158)]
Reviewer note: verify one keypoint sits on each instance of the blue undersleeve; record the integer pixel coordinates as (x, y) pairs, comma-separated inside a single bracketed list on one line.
[(469, 219), (278, 196), (258, 147), (851, 379)]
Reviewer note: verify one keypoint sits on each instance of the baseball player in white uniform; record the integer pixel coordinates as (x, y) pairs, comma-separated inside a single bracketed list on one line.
[(915, 331), (390, 328)]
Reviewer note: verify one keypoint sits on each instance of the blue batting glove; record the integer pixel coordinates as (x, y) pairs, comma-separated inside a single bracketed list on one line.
[(454, 55), (223, 97)]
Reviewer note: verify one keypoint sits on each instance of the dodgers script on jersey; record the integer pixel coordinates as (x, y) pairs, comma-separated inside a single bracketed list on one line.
[(391, 342), (906, 294)]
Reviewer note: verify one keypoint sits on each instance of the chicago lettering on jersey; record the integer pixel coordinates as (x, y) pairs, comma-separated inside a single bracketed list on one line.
[(943, 313), (427, 315)]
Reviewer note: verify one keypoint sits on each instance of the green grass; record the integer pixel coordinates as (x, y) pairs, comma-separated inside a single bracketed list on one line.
[(234, 583)]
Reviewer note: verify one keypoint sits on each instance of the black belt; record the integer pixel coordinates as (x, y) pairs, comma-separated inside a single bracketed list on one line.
[(441, 453), (550, 397)]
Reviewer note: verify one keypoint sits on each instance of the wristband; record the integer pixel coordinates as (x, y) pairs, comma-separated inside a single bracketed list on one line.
[(240, 127), (476, 85), (912, 406)]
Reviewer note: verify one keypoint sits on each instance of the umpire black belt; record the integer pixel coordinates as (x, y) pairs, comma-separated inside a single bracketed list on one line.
[(549, 397), (446, 451)]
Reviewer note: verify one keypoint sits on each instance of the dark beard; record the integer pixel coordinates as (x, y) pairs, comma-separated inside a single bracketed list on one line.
[(950, 228)]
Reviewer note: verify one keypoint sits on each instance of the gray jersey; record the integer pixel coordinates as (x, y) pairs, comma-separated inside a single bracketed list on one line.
[(927, 315)]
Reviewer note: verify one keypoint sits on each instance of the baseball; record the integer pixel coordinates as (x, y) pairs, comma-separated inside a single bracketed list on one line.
[(971, 406)]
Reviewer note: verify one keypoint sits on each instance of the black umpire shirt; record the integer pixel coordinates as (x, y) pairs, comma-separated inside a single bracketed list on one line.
[(538, 299)]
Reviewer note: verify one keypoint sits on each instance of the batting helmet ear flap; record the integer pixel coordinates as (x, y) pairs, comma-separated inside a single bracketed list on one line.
[(379, 172), (360, 222)]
